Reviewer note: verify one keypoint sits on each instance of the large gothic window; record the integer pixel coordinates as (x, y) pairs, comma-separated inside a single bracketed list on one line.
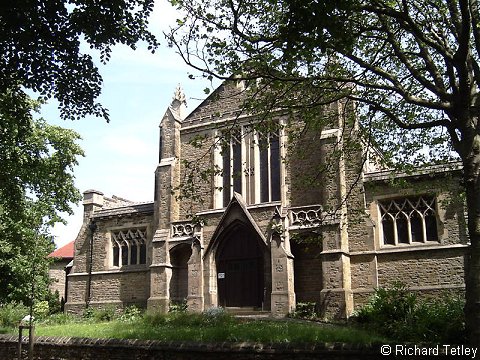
[(129, 247), (408, 220), (250, 165)]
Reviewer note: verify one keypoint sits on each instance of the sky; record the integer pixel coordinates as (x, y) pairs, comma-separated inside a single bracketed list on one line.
[(121, 156)]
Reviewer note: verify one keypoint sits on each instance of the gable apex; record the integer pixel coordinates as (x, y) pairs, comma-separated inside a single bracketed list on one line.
[(235, 213)]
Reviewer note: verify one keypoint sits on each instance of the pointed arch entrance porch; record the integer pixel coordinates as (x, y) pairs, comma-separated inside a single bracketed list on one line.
[(241, 257)]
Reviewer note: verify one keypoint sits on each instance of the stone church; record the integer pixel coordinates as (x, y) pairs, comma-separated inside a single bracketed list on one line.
[(258, 221)]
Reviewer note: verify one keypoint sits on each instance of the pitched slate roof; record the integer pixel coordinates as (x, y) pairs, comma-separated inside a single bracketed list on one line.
[(65, 252)]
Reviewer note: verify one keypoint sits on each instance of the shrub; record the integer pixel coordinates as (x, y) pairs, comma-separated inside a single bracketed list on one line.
[(41, 309), (106, 313), (305, 311), (178, 306), (391, 310), (441, 320), (401, 315), (12, 313), (130, 313), (54, 304)]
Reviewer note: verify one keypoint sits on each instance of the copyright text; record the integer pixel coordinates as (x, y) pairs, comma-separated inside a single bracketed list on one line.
[(436, 350)]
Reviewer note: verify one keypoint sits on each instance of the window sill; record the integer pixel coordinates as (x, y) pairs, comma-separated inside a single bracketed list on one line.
[(431, 245)]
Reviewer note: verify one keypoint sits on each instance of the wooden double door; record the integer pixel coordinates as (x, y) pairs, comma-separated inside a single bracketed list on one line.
[(240, 271)]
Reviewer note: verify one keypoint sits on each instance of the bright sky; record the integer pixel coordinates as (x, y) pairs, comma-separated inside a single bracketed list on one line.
[(121, 156)]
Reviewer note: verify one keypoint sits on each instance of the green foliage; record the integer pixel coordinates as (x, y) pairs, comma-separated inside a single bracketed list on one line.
[(441, 320), (393, 59), (154, 318), (201, 327), (36, 185), (11, 314), (306, 310), (178, 306), (216, 316), (106, 313), (41, 310), (130, 313), (54, 304), (40, 43), (401, 315), (390, 306), (408, 70), (59, 319)]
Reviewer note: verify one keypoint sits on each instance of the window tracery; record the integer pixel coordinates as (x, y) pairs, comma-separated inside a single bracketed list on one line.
[(129, 247), (408, 220), (250, 165)]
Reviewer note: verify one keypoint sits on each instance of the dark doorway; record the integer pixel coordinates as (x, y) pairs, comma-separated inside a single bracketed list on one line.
[(240, 270), (307, 250), (179, 256)]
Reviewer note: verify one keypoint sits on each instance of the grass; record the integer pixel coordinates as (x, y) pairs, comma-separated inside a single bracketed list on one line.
[(191, 327)]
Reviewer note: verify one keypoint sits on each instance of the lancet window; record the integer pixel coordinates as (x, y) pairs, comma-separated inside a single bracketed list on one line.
[(129, 247), (408, 220), (250, 165)]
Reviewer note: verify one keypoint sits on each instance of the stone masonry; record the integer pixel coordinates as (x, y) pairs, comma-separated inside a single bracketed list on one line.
[(325, 238)]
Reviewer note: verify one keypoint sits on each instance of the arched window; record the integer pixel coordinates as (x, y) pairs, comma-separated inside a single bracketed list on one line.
[(250, 165), (408, 220), (129, 247)]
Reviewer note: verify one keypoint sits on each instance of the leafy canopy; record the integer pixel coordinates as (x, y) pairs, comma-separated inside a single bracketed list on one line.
[(36, 185), (41, 50), (412, 67)]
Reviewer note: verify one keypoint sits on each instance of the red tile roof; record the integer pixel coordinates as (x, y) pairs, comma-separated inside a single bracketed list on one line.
[(65, 252)]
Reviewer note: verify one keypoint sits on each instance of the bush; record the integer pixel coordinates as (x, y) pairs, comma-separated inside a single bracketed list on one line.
[(178, 306), (60, 319), (391, 310), (54, 304), (106, 313), (41, 309), (130, 313), (11, 314), (441, 320), (401, 315), (305, 311)]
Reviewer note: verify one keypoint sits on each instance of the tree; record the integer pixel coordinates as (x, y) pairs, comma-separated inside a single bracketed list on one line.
[(412, 67), (40, 43), (36, 185), (41, 52)]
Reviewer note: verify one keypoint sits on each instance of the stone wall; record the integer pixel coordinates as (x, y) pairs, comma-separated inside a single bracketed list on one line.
[(108, 285), (119, 288), (56, 273), (431, 268), (224, 103), (308, 282), (66, 348), (197, 184)]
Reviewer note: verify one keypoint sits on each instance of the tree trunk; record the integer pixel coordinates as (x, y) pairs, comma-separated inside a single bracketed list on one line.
[(472, 262)]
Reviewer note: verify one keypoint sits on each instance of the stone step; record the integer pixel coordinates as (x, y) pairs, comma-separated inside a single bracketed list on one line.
[(246, 311)]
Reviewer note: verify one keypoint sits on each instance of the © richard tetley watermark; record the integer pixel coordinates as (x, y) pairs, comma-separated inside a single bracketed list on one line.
[(434, 350)]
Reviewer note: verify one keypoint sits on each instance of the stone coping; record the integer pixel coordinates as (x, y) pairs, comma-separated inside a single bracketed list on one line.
[(191, 346), (386, 175), (140, 208)]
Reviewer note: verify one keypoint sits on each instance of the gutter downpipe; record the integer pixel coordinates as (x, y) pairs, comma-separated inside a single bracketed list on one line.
[(92, 227)]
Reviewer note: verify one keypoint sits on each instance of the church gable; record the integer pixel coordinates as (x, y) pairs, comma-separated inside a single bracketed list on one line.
[(270, 238), (223, 103), (236, 216)]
